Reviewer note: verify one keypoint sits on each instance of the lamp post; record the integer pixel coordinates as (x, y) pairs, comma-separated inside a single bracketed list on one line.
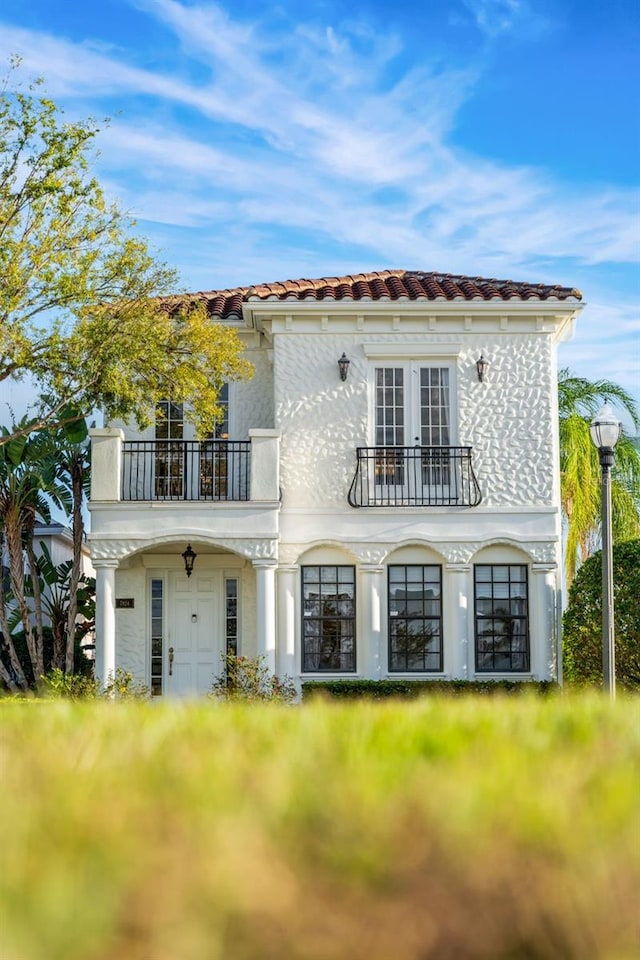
[(605, 432)]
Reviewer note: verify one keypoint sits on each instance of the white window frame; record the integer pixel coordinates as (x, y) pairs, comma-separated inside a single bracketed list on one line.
[(411, 368)]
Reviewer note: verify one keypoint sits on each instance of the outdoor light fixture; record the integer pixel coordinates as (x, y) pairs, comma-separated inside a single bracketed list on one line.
[(189, 557), (343, 366), (605, 432), (482, 366)]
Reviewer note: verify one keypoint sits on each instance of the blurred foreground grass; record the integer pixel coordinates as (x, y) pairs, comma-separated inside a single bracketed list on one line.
[(445, 829)]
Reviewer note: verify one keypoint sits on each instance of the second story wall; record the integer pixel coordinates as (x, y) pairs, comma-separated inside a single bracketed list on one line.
[(509, 420)]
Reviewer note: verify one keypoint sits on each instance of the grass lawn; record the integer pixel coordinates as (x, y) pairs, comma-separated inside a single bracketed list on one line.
[(447, 829)]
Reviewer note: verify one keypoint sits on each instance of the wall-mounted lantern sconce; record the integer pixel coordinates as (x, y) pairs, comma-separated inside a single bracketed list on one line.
[(194, 618), (189, 557), (343, 366), (482, 366)]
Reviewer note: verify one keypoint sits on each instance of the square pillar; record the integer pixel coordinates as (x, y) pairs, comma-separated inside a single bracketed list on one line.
[(265, 465), (459, 654), (106, 463), (371, 656)]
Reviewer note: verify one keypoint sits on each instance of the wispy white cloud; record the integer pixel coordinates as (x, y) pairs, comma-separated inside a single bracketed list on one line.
[(496, 17), (284, 151), (309, 147)]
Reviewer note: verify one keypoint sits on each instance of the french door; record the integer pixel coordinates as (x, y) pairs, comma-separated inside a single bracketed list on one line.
[(413, 432), (184, 468)]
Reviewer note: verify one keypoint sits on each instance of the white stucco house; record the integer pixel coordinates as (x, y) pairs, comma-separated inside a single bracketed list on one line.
[(382, 500)]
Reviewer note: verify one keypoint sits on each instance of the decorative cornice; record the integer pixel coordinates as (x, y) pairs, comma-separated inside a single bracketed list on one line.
[(102, 550)]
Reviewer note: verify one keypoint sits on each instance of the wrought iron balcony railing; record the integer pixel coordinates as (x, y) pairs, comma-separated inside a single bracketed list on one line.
[(186, 470), (414, 477)]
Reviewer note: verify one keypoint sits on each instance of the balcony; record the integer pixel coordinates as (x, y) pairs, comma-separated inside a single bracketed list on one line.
[(414, 477), (186, 470)]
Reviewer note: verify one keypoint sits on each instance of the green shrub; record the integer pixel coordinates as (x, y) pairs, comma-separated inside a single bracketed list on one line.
[(582, 621), (411, 689), (59, 685), (249, 679), (69, 686), (123, 686)]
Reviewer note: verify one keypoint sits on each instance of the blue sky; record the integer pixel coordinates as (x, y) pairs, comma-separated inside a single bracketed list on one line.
[(257, 142)]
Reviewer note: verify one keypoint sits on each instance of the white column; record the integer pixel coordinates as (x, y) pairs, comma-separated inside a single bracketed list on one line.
[(105, 619), (286, 621), (543, 622), (458, 596), (372, 659), (266, 611)]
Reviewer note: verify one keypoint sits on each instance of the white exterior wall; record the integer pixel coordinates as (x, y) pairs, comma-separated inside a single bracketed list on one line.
[(510, 421)]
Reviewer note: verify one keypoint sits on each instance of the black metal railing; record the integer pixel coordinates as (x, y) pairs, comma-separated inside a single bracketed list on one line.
[(186, 470), (414, 477)]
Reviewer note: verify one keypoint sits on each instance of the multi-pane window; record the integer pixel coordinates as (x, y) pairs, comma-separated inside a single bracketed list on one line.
[(390, 424), (231, 615), (221, 431), (501, 618), (415, 618), (214, 454), (169, 457), (328, 619), (434, 407), (157, 636), (191, 469)]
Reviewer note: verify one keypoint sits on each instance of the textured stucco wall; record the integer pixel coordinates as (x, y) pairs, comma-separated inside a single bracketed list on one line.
[(507, 419), (251, 402), (132, 644)]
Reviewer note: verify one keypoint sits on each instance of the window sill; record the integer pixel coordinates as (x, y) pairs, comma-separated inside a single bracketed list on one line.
[(337, 675), (497, 675), (421, 675)]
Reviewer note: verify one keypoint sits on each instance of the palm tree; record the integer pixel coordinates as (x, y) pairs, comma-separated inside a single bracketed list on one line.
[(73, 457), (578, 402)]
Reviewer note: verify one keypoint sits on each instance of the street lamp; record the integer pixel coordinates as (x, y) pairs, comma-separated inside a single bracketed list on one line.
[(605, 433)]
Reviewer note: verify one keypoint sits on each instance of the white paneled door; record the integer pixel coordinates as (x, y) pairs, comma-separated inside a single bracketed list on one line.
[(192, 654)]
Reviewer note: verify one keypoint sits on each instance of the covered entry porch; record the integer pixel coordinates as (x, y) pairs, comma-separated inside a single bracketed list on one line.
[(170, 629)]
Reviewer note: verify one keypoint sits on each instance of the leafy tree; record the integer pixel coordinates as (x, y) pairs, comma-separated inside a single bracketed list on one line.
[(579, 400), (84, 308), (582, 622)]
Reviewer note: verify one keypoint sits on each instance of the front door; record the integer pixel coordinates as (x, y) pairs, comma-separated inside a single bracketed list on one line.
[(192, 657)]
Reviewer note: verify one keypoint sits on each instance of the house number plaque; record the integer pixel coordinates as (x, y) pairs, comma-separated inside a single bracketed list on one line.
[(124, 603)]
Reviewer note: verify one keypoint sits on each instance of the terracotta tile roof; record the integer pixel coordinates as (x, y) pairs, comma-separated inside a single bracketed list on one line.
[(397, 285)]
